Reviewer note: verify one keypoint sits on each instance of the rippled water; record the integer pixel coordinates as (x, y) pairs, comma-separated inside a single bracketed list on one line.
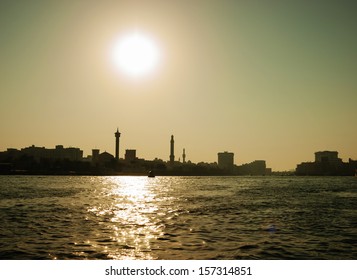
[(178, 217)]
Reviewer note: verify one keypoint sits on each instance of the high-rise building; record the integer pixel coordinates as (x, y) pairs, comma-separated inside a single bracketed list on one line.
[(117, 136), (183, 156), (172, 144)]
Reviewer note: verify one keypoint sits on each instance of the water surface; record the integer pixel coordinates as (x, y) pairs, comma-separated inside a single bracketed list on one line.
[(49, 217)]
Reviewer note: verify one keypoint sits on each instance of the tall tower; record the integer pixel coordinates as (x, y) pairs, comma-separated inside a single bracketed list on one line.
[(172, 144), (117, 136), (184, 156)]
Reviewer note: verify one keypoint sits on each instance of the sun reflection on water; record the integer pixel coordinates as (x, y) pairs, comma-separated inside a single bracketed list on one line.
[(131, 213)]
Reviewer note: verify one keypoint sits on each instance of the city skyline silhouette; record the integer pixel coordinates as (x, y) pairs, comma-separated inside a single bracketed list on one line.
[(264, 81), (72, 161)]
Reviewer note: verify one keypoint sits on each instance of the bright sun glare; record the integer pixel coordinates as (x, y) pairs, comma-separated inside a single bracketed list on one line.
[(136, 54)]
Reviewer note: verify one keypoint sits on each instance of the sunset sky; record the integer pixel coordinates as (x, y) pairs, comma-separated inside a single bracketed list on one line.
[(271, 80)]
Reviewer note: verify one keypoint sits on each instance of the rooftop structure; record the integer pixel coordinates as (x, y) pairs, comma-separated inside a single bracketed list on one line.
[(327, 156)]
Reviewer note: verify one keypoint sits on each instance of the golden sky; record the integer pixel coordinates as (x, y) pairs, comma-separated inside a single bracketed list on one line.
[(273, 81)]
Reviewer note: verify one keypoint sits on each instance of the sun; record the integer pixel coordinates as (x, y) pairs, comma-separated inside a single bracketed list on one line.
[(136, 54)]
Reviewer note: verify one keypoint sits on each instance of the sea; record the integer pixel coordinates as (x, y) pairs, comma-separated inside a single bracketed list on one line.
[(178, 218)]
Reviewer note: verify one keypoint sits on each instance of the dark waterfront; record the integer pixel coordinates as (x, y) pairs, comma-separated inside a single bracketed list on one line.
[(51, 217)]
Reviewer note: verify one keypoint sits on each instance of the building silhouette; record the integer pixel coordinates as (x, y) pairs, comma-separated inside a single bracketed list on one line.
[(105, 158), (59, 153), (172, 148), (117, 136), (130, 155), (95, 155), (100, 159), (183, 156), (226, 160), (255, 168), (327, 163), (327, 156)]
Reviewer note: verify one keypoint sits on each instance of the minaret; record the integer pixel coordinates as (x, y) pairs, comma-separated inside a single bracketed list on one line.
[(172, 157), (117, 135), (183, 156)]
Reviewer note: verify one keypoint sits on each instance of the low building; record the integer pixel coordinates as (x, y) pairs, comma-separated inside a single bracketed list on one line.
[(130, 155), (327, 163), (255, 168), (105, 158), (59, 153), (101, 158)]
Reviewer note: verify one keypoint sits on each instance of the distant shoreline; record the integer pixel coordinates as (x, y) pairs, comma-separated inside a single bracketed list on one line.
[(69, 174)]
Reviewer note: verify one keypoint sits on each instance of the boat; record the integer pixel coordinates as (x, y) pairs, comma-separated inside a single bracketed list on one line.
[(151, 174)]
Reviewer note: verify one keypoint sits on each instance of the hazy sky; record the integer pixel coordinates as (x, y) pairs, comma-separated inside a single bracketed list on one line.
[(272, 80)]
